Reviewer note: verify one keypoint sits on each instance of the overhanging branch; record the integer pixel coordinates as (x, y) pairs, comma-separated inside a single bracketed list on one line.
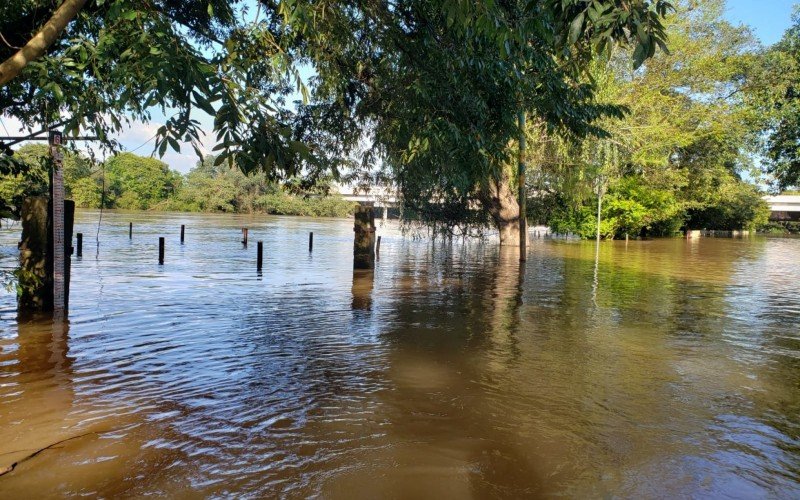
[(37, 45)]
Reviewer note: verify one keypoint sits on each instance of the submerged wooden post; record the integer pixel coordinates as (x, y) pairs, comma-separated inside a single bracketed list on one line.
[(161, 250), (183, 229), (378, 248), (311, 241), (364, 242), (260, 256), (244, 236), (130, 230), (80, 244)]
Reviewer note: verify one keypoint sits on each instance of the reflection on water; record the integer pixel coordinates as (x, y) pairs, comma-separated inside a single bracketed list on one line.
[(657, 368)]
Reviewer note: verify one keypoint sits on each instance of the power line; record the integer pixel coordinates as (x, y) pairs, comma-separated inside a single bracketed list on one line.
[(142, 144)]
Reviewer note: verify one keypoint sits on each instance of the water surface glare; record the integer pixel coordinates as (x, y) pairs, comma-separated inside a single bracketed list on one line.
[(670, 368)]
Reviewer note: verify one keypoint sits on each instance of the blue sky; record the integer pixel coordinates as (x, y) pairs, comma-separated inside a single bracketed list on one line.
[(768, 18)]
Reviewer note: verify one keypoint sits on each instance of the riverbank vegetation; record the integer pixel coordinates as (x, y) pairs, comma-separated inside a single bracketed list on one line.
[(683, 156), (660, 115), (131, 182)]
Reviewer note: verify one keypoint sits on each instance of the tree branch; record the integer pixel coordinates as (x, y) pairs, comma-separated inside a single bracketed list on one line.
[(37, 45)]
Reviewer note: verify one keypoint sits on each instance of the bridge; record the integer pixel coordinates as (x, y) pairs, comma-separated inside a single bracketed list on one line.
[(784, 207), (382, 197)]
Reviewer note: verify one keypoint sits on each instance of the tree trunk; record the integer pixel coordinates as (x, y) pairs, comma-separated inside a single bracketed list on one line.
[(37, 45), (500, 201)]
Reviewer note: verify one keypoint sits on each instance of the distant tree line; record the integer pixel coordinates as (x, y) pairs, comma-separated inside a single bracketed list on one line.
[(131, 182)]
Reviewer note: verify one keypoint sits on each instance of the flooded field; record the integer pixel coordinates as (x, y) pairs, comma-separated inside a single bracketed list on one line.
[(670, 368)]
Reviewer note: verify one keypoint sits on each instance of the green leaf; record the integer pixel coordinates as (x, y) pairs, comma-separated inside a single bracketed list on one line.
[(299, 148), (639, 55), (575, 28)]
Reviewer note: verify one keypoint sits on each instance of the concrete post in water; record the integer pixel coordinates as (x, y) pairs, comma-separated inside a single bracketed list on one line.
[(80, 244), (244, 236), (260, 256), (364, 243), (183, 230), (161, 250), (310, 241), (693, 233), (130, 230), (36, 255)]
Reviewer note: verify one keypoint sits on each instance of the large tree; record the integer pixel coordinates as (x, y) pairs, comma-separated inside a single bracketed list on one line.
[(680, 154), (434, 91), (780, 97)]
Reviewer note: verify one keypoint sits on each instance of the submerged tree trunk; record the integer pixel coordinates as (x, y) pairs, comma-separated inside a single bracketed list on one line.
[(500, 201)]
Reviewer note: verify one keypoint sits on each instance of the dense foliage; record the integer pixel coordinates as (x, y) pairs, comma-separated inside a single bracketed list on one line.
[(119, 60), (680, 157), (780, 99), (434, 92)]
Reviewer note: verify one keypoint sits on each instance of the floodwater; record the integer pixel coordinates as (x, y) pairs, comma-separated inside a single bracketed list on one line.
[(672, 368)]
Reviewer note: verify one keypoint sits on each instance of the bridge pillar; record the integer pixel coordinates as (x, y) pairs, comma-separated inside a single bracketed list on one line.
[(364, 242)]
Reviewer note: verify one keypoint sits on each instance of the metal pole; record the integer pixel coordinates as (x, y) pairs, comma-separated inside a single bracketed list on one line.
[(523, 205), (57, 201)]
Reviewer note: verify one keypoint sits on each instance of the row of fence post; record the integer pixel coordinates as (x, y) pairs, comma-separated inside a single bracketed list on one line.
[(36, 255), (366, 247), (245, 237), (245, 231)]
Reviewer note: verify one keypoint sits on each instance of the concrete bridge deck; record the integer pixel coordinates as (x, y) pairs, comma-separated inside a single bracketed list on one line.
[(784, 207)]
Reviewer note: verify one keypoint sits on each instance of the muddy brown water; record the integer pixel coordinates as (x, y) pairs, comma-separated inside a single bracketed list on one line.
[(670, 368)]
